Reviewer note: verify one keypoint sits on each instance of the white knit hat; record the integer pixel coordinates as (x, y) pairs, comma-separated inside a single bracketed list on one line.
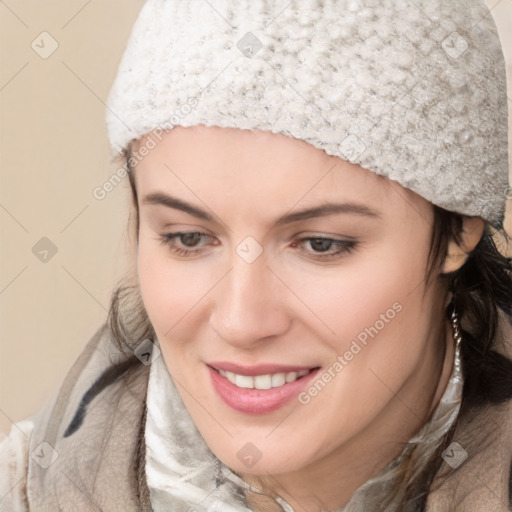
[(414, 91)]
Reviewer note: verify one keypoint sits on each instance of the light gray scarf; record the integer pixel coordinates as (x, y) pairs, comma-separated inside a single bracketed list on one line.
[(183, 475)]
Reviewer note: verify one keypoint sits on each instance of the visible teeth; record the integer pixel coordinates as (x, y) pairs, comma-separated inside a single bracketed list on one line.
[(244, 381), (262, 381), (278, 379)]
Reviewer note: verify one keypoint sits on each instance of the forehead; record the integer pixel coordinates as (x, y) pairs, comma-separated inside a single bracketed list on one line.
[(210, 153), (251, 169)]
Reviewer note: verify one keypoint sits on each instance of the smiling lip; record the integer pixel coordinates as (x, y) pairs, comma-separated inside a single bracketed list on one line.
[(257, 401)]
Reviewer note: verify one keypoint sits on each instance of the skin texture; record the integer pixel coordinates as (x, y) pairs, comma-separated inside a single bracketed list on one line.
[(290, 307)]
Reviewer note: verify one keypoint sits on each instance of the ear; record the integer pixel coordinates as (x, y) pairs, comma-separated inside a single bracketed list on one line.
[(472, 230)]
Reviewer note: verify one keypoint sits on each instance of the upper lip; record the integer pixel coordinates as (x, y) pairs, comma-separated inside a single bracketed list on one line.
[(259, 369)]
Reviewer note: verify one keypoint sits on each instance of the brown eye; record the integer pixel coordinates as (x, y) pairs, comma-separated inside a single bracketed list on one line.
[(189, 239), (186, 239), (321, 247)]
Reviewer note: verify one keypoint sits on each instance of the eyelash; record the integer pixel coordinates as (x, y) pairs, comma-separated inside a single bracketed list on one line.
[(345, 246)]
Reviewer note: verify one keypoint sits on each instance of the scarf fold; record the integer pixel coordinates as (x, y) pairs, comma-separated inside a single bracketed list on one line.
[(183, 475)]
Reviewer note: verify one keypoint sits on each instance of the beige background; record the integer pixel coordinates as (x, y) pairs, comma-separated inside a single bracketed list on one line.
[(53, 153)]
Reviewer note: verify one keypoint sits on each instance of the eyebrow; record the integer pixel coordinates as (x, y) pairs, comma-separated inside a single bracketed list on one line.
[(323, 210)]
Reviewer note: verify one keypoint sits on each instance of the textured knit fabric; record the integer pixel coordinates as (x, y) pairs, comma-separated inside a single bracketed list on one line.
[(183, 474), (415, 91)]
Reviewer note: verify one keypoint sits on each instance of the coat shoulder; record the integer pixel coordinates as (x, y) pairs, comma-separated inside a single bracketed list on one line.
[(90, 432), (14, 456)]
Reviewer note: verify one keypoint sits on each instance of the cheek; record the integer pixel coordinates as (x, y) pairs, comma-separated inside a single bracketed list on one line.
[(167, 291), (365, 291), (378, 314)]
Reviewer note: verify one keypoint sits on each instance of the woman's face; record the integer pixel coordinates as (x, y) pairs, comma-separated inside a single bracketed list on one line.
[(293, 314)]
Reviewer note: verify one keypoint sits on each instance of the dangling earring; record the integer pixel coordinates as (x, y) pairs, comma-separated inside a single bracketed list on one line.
[(457, 336), (456, 327)]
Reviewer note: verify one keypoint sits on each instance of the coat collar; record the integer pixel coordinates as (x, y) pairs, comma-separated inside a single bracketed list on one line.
[(93, 468)]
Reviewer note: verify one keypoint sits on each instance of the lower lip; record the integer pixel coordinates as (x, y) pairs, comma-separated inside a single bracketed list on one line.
[(258, 401)]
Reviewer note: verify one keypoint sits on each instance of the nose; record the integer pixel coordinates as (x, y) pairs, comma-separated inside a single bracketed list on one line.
[(250, 305)]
